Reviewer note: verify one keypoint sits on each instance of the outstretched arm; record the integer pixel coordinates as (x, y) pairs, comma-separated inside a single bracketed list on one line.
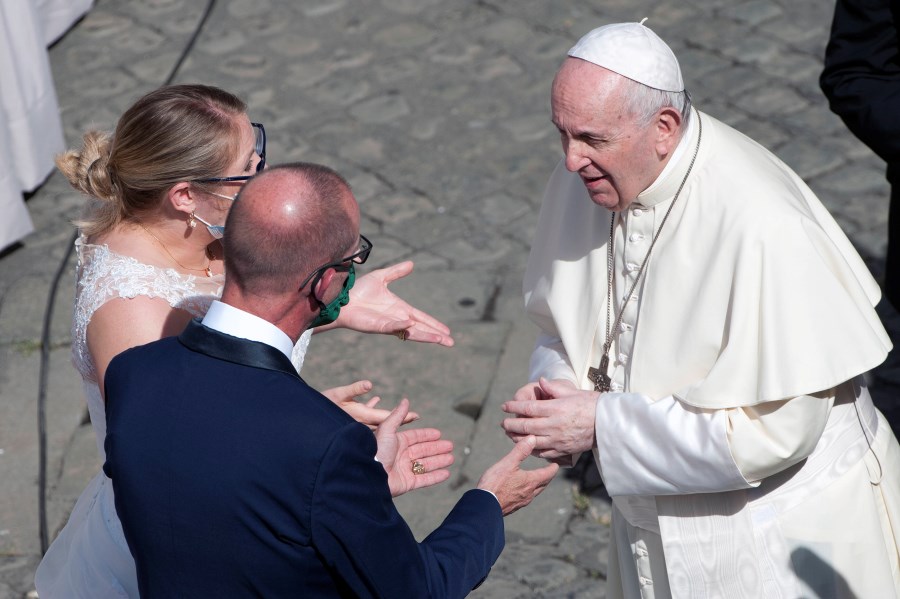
[(374, 308)]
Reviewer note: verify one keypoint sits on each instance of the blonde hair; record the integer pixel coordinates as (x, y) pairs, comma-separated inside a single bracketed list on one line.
[(173, 134)]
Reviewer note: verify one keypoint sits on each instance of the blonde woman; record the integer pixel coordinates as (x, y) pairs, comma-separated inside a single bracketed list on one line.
[(149, 260)]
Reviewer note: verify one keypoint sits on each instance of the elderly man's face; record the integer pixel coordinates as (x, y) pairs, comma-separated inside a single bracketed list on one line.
[(616, 158)]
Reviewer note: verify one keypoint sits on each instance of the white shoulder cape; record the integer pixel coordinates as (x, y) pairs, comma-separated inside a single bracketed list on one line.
[(752, 293)]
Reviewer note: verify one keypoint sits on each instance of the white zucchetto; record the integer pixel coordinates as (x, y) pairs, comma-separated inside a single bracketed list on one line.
[(634, 51)]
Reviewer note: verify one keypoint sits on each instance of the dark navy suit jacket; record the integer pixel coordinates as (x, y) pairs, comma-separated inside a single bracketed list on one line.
[(234, 478)]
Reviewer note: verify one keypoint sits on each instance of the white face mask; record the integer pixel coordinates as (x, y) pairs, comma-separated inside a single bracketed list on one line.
[(224, 197), (217, 231)]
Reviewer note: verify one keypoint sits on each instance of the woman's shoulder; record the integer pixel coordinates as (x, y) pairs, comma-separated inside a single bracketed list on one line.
[(105, 271), (106, 277)]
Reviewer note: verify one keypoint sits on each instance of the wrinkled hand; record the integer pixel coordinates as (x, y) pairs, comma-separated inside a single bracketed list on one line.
[(374, 308), (515, 488), (532, 391), (367, 413), (398, 450), (562, 421)]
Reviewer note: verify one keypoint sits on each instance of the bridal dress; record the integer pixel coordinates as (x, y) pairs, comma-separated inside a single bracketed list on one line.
[(90, 558)]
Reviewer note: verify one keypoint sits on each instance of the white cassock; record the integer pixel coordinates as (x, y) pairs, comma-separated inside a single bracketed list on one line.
[(30, 126), (739, 443)]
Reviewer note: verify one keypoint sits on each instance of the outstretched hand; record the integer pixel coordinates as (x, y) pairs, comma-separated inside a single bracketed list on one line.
[(374, 308), (515, 488), (364, 412), (398, 451)]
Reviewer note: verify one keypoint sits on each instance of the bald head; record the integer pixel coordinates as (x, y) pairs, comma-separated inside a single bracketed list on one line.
[(286, 222)]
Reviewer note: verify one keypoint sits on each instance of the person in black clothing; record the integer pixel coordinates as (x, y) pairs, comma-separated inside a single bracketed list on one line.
[(861, 80)]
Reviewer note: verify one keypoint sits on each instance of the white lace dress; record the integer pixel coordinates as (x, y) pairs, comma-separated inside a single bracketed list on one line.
[(90, 558)]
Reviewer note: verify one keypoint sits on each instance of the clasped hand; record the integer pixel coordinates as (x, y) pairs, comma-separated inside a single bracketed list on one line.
[(560, 416)]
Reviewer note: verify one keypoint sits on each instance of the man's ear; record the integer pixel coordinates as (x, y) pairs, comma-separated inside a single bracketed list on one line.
[(668, 130), (323, 284), (181, 197)]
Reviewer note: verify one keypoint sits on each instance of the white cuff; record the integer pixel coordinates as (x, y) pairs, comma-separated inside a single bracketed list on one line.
[(549, 360), (663, 447)]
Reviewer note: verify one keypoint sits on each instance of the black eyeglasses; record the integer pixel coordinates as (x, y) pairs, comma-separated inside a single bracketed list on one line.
[(360, 257), (260, 150)]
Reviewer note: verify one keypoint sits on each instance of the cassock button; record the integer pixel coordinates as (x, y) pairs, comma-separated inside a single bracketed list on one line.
[(631, 267), (636, 211), (623, 359), (635, 237)]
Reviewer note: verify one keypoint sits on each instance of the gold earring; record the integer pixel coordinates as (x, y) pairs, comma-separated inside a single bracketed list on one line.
[(191, 222)]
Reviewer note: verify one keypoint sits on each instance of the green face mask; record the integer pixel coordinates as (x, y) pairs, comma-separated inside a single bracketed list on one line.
[(329, 313)]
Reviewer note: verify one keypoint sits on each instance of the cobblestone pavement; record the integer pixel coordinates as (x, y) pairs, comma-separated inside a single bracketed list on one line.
[(438, 113)]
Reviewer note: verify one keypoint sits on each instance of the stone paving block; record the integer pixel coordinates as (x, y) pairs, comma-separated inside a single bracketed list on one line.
[(696, 63), (547, 517), (21, 320), (405, 36), (800, 69), (731, 81), (752, 50), (587, 546), (17, 575), (771, 100), (382, 109), (579, 589), (409, 7), (753, 13), (808, 158), (808, 34), (764, 132), (323, 8), (818, 120), (19, 375), (393, 207), (859, 181)]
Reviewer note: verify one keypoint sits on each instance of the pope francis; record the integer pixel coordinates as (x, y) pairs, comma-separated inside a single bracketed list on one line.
[(705, 327)]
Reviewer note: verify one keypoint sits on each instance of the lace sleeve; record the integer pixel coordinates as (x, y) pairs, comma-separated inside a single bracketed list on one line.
[(102, 275)]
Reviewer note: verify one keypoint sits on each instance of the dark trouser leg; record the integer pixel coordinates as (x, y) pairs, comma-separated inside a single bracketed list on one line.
[(892, 260)]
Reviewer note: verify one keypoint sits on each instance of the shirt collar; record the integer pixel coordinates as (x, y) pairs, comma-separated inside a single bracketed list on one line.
[(238, 323)]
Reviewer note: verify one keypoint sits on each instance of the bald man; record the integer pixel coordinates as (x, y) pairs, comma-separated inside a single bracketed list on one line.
[(234, 478), (704, 328)]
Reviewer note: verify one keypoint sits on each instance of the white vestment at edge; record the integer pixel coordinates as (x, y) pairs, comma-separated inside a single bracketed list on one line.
[(30, 126), (739, 442)]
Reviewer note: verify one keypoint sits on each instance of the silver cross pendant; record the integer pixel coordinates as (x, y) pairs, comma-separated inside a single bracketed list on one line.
[(599, 377)]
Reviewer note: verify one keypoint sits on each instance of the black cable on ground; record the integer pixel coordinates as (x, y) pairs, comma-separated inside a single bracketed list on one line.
[(48, 318)]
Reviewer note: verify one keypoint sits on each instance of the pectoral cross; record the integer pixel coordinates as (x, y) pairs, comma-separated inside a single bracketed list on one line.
[(599, 377)]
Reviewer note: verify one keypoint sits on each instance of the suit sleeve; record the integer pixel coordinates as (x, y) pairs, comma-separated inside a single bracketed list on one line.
[(368, 546), (861, 78)]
